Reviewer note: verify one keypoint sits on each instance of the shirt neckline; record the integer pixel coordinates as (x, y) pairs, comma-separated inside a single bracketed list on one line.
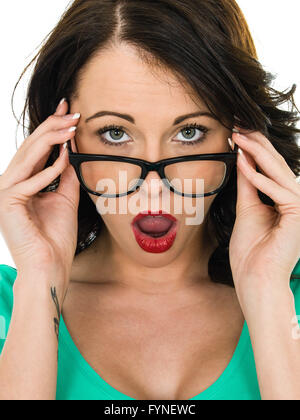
[(113, 393)]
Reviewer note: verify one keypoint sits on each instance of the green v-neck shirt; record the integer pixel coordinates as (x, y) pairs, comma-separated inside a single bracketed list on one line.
[(77, 380)]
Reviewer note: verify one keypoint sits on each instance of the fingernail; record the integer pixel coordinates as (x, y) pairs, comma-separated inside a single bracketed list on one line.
[(65, 152), (72, 117), (62, 151), (65, 145), (242, 154), (62, 101), (72, 129), (234, 130), (230, 143)]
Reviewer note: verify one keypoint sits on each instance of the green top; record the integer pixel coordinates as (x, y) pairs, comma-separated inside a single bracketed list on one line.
[(76, 379)]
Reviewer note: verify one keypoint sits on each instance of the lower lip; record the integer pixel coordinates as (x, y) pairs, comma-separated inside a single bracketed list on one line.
[(155, 245)]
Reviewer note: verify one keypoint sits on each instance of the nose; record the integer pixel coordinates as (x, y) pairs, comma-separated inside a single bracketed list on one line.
[(152, 185)]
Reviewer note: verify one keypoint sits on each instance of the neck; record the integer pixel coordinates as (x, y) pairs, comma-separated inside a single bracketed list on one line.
[(185, 272)]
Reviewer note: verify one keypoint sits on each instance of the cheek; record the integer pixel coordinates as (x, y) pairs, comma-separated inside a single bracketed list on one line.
[(118, 228), (117, 225), (114, 213), (192, 211)]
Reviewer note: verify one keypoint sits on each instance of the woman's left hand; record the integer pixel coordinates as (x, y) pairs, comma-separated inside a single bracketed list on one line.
[(265, 242)]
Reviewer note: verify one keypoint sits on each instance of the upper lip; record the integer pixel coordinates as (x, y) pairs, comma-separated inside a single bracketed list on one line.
[(151, 213)]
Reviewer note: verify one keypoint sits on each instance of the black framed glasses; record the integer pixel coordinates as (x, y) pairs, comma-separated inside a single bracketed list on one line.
[(194, 176)]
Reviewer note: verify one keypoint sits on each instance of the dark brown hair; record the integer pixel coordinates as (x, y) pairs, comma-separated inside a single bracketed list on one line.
[(207, 44)]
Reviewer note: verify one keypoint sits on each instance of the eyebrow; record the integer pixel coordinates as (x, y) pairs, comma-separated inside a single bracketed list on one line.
[(132, 120)]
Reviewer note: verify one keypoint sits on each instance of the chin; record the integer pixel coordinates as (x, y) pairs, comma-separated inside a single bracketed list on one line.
[(152, 260)]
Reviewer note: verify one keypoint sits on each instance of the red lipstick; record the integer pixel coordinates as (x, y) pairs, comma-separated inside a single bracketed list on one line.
[(155, 232)]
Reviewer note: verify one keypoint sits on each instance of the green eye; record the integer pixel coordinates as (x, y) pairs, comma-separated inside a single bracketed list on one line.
[(116, 134), (191, 131)]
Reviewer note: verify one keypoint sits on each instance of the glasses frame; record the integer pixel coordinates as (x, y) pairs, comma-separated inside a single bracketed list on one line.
[(76, 159)]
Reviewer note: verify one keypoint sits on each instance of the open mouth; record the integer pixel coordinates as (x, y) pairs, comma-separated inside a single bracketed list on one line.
[(155, 232), (154, 226)]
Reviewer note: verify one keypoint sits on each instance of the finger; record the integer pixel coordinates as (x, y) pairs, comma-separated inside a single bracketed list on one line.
[(62, 107), (276, 192), (247, 194), (41, 180), (26, 163), (61, 110), (272, 166), (21, 167), (69, 185), (258, 136), (55, 121), (52, 123)]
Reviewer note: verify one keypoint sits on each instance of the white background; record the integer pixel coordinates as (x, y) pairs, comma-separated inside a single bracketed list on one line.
[(274, 25)]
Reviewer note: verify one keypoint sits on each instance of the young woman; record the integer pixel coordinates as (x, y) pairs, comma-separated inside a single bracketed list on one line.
[(146, 302)]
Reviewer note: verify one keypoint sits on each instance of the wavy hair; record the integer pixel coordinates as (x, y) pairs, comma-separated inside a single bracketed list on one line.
[(208, 46)]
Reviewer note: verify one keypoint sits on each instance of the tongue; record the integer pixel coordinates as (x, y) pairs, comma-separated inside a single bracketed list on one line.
[(154, 224)]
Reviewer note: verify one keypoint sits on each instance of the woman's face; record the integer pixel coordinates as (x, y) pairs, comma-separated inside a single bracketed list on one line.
[(118, 81)]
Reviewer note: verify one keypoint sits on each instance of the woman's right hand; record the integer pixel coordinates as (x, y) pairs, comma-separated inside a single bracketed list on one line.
[(40, 229)]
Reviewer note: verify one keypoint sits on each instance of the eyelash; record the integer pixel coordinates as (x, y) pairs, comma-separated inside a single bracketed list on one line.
[(106, 129)]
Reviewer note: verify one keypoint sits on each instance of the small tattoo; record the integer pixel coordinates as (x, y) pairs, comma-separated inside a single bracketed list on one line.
[(56, 320)]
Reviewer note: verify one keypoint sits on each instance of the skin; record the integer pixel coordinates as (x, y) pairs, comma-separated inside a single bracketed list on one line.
[(181, 281), (170, 294), (133, 89), (135, 316)]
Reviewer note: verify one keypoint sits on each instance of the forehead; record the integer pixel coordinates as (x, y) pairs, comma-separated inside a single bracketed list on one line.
[(118, 77)]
